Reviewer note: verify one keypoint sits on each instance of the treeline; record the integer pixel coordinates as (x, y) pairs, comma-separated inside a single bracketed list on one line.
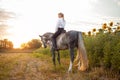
[(33, 44), (6, 44), (103, 47)]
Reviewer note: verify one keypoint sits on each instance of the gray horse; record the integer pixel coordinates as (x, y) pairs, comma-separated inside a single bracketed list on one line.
[(68, 40)]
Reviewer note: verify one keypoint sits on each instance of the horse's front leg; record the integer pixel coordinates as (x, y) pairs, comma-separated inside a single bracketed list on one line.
[(53, 56), (71, 48), (58, 58)]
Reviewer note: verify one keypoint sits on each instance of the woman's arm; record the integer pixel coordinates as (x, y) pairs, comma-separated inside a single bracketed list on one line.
[(57, 25)]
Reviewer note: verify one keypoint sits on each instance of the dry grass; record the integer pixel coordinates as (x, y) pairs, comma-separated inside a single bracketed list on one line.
[(7, 62), (36, 66)]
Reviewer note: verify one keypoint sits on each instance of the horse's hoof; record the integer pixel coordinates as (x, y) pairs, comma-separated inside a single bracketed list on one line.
[(69, 71)]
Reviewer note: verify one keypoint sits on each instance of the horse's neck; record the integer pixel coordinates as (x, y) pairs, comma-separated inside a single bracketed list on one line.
[(49, 36)]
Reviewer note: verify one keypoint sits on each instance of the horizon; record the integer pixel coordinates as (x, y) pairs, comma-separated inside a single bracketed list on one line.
[(34, 17)]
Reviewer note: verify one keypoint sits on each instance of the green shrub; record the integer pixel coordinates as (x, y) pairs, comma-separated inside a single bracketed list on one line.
[(115, 61), (103, 50)]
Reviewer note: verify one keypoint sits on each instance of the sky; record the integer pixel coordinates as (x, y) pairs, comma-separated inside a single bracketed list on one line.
[(35, 17)]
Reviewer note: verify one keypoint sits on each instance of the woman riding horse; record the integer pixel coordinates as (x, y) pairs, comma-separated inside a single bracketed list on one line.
[(59, 29), (70, 40)]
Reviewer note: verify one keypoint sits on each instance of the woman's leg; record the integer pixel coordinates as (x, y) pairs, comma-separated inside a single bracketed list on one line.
[(57, 33)]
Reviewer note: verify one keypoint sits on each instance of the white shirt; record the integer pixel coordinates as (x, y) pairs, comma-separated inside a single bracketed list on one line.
[(60, 23)]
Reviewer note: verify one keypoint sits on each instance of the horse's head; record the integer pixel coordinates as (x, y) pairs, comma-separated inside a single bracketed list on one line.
[(45, 39)]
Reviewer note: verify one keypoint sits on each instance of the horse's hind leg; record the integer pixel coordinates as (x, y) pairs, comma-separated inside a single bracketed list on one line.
[(71, 58), (58, 58)]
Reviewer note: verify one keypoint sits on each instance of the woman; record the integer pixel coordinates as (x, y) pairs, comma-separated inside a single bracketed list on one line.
[(60, 28)]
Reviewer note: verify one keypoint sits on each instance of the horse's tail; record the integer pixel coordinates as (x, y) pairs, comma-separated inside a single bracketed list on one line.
[(81, 54)]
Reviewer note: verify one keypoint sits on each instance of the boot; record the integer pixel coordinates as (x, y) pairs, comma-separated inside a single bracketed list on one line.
[(54, 44)]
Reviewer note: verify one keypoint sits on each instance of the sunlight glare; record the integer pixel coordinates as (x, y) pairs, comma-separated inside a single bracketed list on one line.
[(39, 16)]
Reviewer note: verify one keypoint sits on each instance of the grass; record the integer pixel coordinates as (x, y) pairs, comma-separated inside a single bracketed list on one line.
[(97, 73), (38, 66), (7, 63)]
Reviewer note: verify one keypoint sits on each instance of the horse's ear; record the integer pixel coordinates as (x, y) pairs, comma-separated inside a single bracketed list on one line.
[(40, 36)]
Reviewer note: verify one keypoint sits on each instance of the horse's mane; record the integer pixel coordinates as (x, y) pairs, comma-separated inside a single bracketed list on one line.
[(47, 34)]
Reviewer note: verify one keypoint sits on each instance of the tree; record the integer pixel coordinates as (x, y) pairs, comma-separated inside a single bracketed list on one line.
[(24, 46), (6, 44), (10, 45), (33, 44)]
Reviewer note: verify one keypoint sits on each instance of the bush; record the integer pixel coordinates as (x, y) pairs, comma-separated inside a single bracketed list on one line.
[(33, 44), (115, 61), (103, 50)]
